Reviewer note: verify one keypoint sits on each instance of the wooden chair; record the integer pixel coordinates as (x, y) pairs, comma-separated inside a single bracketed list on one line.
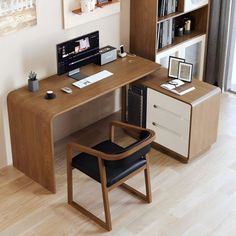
[(111, 165)]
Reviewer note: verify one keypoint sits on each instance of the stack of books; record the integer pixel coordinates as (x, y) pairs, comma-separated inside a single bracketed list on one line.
[(166, 33), (167, 7), (178, 87)]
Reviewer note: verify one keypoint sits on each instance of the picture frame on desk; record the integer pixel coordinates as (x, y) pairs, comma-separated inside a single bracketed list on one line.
[(173, 67), (185, 71)]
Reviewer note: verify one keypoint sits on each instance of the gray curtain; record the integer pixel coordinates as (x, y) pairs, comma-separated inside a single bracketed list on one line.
[(218, 53)]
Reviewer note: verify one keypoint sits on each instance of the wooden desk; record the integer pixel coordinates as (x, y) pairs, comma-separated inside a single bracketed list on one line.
[(31, 116)]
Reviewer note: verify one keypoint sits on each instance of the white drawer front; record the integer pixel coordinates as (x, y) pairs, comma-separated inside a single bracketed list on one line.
[(167, 103), (168, 119), (170, 139)]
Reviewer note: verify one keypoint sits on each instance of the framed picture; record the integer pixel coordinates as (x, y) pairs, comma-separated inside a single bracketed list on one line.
[(185, 71), (174, 66), (16, 15)]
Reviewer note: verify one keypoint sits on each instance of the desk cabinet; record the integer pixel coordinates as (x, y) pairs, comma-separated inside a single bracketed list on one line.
[(186, 126)]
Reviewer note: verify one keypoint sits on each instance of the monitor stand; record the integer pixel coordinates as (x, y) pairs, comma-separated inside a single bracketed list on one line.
[(75, 74)]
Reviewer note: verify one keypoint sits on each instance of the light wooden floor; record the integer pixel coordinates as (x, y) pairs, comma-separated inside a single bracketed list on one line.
[(194, 199)]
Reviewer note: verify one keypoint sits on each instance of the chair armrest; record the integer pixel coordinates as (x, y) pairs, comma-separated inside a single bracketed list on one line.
[(119, 156), (82, 148), (115, 157), (103, 155), (129, 152), (126, 126)]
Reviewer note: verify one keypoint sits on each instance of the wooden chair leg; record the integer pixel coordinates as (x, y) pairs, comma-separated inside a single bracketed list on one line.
[(106, 206), (89, 214), (147, 181), (148, 196), (107, 223), (105, 194)]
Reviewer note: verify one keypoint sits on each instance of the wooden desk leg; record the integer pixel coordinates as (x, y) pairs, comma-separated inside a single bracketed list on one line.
[(32, 145), (124, 103)]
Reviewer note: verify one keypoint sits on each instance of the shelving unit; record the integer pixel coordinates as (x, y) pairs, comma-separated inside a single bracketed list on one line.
[(74, 17), (145, 32), (79, 12)]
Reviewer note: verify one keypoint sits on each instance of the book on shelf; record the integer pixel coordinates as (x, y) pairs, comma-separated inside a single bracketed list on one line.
[(169, 36), (159, 35), (178, 87), (165, 33), (166, 7), (174, 5), (169, 7), (173, 30)]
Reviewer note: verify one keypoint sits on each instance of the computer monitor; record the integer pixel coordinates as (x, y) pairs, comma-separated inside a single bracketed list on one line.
[(77, 52)]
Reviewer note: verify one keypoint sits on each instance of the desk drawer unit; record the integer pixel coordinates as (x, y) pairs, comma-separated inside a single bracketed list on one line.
[(170, 119)]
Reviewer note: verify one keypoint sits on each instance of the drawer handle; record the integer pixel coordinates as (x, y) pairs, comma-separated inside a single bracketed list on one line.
[(168, 129), (154, 124), (168, 111)]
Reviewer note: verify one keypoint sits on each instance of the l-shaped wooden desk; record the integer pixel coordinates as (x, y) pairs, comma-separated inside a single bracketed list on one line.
[(31, 116)]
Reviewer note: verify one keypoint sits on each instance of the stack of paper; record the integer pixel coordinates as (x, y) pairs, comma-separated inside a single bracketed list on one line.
[(177, 86)]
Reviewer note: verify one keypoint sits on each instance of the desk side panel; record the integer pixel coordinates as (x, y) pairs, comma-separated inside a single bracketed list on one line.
[(31, 141), (204, 124)]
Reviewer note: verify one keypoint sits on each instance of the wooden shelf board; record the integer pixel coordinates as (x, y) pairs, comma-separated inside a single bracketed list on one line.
[(170, 16), (176, 14), (79, 12), (181, 39)]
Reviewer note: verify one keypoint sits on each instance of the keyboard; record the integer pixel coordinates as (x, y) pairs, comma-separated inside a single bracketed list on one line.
[(92, 79)]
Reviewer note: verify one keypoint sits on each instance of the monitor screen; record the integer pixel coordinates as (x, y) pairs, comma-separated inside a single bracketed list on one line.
[(77, 52)]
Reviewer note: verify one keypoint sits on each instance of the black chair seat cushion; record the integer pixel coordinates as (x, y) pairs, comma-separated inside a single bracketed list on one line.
[(115, 170)]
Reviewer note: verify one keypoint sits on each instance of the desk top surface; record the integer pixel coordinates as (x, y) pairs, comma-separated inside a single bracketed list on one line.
[(125, 71), (202, 90)]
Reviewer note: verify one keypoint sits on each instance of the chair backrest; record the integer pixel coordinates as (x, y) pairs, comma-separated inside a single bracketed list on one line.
[(140, 153)]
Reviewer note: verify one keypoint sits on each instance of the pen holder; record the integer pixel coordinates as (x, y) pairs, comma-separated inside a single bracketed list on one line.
[(33, 85)]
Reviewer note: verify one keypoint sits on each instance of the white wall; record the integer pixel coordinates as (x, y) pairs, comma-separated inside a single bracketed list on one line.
[(34, 49)]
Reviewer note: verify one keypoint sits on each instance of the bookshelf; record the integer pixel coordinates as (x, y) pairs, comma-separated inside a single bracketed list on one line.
[(149, 23)]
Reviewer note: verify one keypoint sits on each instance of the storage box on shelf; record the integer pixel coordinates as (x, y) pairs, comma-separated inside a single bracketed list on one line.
[(153, 35), (74, 17)]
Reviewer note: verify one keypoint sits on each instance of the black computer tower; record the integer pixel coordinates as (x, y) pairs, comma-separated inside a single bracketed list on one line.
[(137, 99)]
